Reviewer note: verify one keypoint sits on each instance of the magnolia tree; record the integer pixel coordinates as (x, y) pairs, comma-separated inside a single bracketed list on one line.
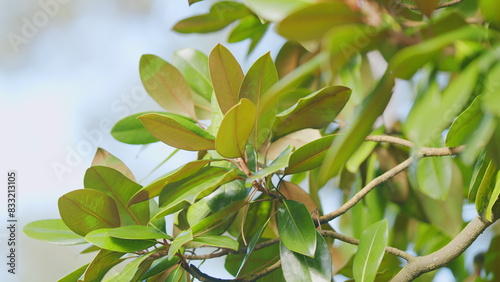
[(272, 140)]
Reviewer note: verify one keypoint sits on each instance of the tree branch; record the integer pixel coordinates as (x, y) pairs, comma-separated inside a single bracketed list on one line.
[(196, 273), (413, 7), (390, 139), (229, 251)]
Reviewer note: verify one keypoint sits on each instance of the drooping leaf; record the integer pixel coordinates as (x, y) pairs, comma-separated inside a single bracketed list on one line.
[(370, 251), (276, 10), (217, 217), (235, 129), (494, 197), (75, 275), (178, 242), (116, 185), (137, 232), (178, 132), (279, 163), (214, 241), (309, 156), (85, 210), (226, 75), (296, 228), (312, 22), (297, 267), (314, 111), (101, 264), (289, 57), (105, 158), (103, 240), (154, 189), (129, 271), (53, 231), (166, 85), (261, 76), (226, 194), (465, 124)]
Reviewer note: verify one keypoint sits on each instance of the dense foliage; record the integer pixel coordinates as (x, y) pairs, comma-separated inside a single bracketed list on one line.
[(270, 141)]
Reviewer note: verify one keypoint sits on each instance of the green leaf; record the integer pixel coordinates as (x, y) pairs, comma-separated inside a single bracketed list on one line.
[(279, 163), (235, 129), (178, 132), (179, 194), (105, 158), (250, 27), (486, 187), (101, 264), (75, 275), (226, 194), (217, 217), (194, 65), (362, 152), (159, 266), (296, 228), (251, 246), (312, 22), (276, 10), (154, 189), (129, 271), (221, 15), (309, 156), (297, 267), (166, 85), (494, 197), (314, 111), (465, 124), (53, 231), (479, 140), (347, 143), (104, 240), (370, 251), (261, 76), (179, 241), (116, 185), (214, 241), (137, 232), (226, 75), (178, 275), (85, 210), (477, 176)]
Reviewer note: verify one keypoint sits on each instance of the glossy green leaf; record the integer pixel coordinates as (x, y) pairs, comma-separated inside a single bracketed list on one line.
[(314, 111), (137, 232), (101, 264), (312, 22), (465, 124), (159, 266), (406, 62), (179, 241), (130, 130), (486, 187), (178, 132), (494, 197), (166, 85), (178, 274), (217, 217), (75, 275), (347, 143), (226, 194), (309, 156), (256, 216), (194, 65), (250, 27), (235, 129), (297, 267), (129, 271), (221, 15), (154, 189), (53, 231), (116, 185), (276, 10), (261, 76), (85, 210), (362, 152), (226, 75), (493, 147), (370, 251), (180, 194), (279, 163), (214, 241), (105, 158), (296, 228), (103, 239)]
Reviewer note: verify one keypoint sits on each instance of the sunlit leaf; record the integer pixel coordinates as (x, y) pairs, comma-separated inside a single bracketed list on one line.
[(276, 10), (309, 156), (130, 130), (296, 228), (214, 241), (103, 240), (249, 27), (279, 163), (166, 85), (292, 191), (75, 275), (194, 65), (53, 231), (465, 124), (178, 274), (179, 241), (494, 197), (362, 152), (159, 266), (105, 158), (289, 57), (486, 187), (370, 251), (85, 210), (235, 129), (217, 218), (101, 264), (129, 271), (137, 232), (178, 132)]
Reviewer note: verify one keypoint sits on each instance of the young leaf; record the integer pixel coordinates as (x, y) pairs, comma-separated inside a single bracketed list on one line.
[(465, 124), (178, 132), (280, 162), (137, 232), (312, 22), (276, 10), (297, 267), (116, 185), (217, 217), (226, 75), (53, 231), (85, 210), (75, 275), (235, 129), (194, 64), (477, 176), (159, 266), (370, 251), (214, 241), (129, 271), (296, 228), (309, 156), (101, 264), (486, 187), (250, 27), (105, 158), (166, 85), (314, 111), (494, 197), (103, 240), (178, 242), (178, 274)]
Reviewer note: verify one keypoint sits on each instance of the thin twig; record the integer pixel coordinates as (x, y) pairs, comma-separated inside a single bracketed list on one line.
[(229, 251), (413, 7), (390, 139), (196, 273)]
